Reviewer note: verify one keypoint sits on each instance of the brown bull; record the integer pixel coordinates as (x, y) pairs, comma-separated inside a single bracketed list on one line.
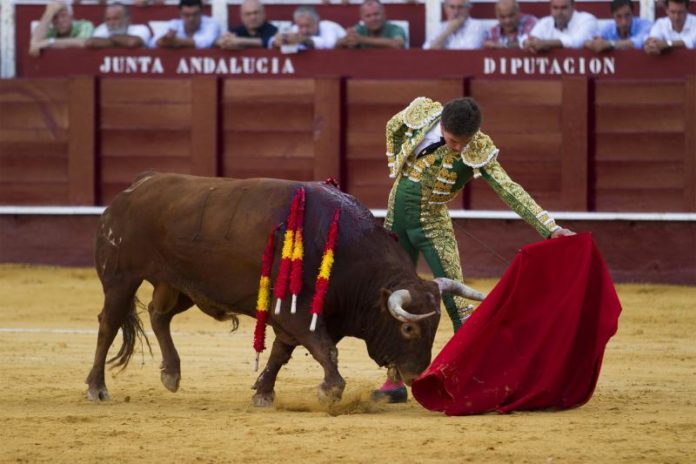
[(200, 241)]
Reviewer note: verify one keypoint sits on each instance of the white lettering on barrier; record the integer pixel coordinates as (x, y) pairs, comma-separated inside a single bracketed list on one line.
[(489, 66), (249, 65), (198, 65), (541, 65), (131, 65), (609, 65), (515, 65)]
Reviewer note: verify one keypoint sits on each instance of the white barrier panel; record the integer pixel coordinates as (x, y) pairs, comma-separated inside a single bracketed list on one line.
[(380, 213)]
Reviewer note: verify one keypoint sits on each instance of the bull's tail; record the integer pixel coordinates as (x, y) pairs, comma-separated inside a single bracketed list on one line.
[(132, 329)]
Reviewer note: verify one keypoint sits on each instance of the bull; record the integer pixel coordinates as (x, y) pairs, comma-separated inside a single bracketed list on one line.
[(199, 241)]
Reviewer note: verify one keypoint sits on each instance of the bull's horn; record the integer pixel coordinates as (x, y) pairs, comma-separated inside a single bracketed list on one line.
[(396, 302), (457, 288)]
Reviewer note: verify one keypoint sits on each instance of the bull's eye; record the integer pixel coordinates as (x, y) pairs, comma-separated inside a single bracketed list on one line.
[(409, 330)]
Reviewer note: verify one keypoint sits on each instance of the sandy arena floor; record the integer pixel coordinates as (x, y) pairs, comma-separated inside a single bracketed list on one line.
[(644, 408)]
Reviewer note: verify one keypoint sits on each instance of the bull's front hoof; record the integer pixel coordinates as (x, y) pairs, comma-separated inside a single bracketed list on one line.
[(263, 400), (330, 395), (170, 381), (98, 394)]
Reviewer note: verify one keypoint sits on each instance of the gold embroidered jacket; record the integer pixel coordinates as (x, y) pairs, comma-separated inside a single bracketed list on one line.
[(443, 173)]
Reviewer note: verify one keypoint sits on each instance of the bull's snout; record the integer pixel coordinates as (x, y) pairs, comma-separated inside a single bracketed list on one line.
[(408, 376), (409, 380)]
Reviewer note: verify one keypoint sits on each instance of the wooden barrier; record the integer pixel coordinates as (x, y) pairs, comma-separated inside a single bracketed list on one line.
[(576, 144), (581, 132), (635, 251), (643, 154), (34, 138)]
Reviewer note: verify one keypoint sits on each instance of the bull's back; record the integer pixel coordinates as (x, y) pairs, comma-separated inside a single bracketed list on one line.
[(206, 236), (202, 234), (191, 226)]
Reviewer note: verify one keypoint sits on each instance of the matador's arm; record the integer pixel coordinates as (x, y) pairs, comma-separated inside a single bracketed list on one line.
[(518, 199)]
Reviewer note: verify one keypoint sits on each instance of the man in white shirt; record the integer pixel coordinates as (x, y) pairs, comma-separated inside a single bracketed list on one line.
[(677, 30), (459, 32), (565, 28), (116, 30), (192, 30), (309, 32)]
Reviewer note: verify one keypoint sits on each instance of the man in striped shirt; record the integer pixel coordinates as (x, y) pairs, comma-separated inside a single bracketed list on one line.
[(513, 27)]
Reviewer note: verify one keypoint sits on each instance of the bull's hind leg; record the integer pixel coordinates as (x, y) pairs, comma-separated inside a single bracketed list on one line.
[(166, 303), (280, 354), (119, 305)]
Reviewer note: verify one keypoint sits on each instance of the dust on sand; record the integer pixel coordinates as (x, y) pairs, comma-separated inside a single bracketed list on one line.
[(643, 409)]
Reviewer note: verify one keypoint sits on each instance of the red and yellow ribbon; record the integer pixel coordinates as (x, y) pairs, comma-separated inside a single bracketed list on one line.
[(281, 284), (322, 283), (263, 301), (297, 253)]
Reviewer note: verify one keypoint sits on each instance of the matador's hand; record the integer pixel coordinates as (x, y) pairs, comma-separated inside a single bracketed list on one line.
[(562, 233)]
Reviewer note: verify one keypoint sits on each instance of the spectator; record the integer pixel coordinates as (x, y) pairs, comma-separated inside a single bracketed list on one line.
[(58, 29), (623, 33), (374, 31), (193, 30), (565, 28), (512, 28), (148, 2), (255, 31), (459, 32), (116, 31), (309, 31), (677, 30)]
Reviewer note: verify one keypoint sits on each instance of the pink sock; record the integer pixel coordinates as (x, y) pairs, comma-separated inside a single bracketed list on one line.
[(389, 385)]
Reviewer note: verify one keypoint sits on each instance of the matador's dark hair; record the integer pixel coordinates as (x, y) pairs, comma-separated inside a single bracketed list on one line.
[(461, 117)]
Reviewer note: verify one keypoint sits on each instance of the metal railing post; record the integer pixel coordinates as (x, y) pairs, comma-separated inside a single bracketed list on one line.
[(7, 39)]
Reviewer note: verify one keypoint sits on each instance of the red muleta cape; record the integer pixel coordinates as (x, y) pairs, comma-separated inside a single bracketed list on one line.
[(536, 342)]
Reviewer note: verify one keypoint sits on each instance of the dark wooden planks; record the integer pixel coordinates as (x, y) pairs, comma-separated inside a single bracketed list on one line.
[(525, 120), (273, 128), (641, 138), (690, 145), (574, 149), (154, 124), (81, 145), (34, 141), (611, 146)]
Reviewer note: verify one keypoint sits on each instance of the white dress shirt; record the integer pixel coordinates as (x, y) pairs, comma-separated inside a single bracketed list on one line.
[(662, 29), (468, 37), (137, 30), (204, 37), (432, 136), (328, 35), (581, 27)]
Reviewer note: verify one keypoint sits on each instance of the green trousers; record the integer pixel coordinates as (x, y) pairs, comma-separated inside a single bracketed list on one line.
[(428, 232)]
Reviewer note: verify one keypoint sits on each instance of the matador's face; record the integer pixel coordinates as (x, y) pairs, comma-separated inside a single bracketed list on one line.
[(455, 142)]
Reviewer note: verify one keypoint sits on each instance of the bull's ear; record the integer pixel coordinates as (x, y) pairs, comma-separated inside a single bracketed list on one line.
[(384, 295)]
